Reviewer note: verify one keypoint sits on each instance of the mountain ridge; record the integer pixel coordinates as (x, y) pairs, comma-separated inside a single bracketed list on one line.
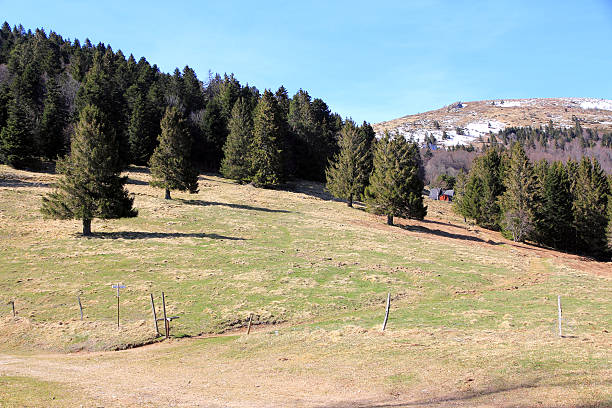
[(466, 122)]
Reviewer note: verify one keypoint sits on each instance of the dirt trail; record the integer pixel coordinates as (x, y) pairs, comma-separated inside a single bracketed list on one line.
[(155, 376)]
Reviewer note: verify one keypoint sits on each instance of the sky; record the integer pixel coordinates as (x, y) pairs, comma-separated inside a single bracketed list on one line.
[(368, 60)]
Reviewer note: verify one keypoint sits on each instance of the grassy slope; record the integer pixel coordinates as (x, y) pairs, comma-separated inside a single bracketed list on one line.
[(473, 316)]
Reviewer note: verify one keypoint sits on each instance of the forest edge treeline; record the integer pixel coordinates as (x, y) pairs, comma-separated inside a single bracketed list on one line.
[(98, 112)]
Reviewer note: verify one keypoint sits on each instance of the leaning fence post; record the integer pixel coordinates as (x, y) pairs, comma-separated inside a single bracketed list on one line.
[(165, 317), (80, 306), (12, 302), (560, 314), (250, 322), (154, 315), (387, 311)]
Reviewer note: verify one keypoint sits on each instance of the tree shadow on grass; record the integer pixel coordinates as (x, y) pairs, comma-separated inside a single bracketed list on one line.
[(464, 399), (446, 234), (137, 182), (234, 206), (311, 188), (16, 183), (149, 235)]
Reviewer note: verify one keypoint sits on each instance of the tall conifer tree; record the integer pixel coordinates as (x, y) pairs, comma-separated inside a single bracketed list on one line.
[(347, 173), (235, 164), (395, 187), (483, 188), (171, 166), (139, 135), (91, 186), (590, 207), (54, 119), (553, 209), (517, 201), (265, 153), (16, 138)]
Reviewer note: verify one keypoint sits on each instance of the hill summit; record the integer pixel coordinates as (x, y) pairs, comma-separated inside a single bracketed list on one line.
[(465, 122)]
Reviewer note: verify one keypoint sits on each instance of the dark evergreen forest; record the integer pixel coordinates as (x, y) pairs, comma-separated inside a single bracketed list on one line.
[(46, 81)]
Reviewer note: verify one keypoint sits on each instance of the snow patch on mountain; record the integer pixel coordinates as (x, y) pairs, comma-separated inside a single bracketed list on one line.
[(591, 103)]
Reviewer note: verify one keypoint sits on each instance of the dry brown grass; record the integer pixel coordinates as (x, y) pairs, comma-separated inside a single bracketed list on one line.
[(472, 322)]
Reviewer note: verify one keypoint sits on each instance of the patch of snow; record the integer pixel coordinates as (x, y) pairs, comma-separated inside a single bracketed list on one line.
[(589, 103), (507, 104), (604, 104), (484, 127)]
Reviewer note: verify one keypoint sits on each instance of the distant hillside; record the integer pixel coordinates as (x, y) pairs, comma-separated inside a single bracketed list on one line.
[(464, 122)]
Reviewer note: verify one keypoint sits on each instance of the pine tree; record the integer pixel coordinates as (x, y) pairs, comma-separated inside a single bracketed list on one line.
[(347, 174), (235, 164), (214, 132), (91, 186), (459, 199), (265, 155), (16, 138), (590, 193), (553, 206), (54, 119), (191, 94), (395, 186), (415, 208), (517, 201), (139, 135), (171, 167), (483, 188), (370, 136), (229, 92)]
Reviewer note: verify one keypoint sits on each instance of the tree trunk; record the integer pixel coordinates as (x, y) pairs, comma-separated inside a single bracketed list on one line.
[(168, 194), (350, 201), (389, 220), (86, 228)]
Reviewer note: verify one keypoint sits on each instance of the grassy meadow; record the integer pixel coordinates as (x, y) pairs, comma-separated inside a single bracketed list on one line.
[(473, 317)]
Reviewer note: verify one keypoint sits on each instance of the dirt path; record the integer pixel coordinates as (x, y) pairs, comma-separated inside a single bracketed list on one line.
[(157, 376)]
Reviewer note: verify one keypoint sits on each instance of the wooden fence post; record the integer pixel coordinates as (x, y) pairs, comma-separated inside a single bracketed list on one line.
[(80, 306), (165, 317), (12, 302), (154, 316), (560, 314), (250, 322), (387, 311)]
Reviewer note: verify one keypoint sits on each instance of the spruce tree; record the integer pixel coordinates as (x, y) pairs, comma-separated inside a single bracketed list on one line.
[(139, 136), (54, 119), (91, 186), (589, 208), (517, 201), (370, 137), (265, 153), (347, 173), (235, 164), (171, 166), (483, 188), (16, 138), (553, 206), (214, 132), (415, 208), (395, 186), (459, 198)]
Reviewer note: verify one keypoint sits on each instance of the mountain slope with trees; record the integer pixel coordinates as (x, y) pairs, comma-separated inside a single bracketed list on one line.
[(46, 81)]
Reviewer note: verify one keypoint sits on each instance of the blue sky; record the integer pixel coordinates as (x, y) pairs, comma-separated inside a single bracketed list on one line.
[(369, 60)]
